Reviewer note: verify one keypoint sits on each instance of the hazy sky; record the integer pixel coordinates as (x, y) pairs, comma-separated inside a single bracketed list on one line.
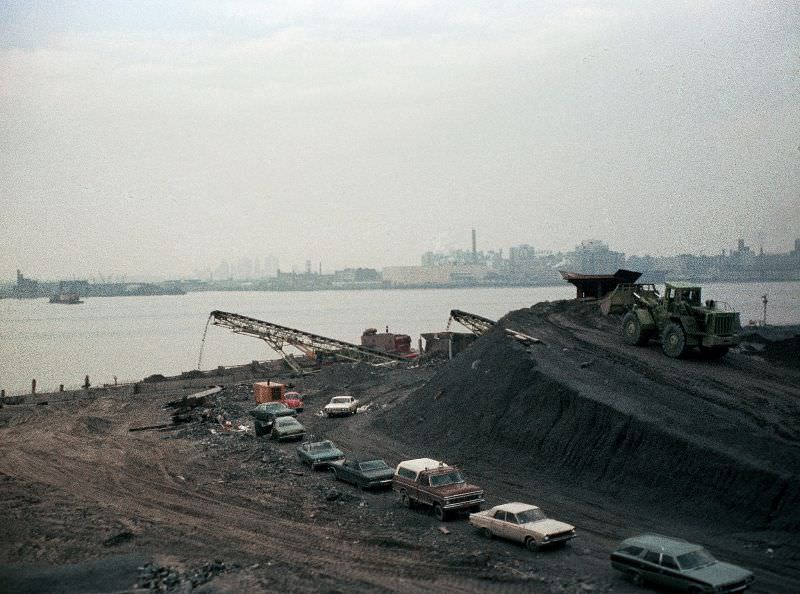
[(161, 137)]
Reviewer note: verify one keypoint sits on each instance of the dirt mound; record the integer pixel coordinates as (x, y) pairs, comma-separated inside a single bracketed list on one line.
[(716, 440), (777, 344)]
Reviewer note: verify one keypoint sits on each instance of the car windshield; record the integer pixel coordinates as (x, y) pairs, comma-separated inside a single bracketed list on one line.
[(450, 478), (320, 447), (530, 515), (283, 421), (695, 559), (341, 400), (373, 465)]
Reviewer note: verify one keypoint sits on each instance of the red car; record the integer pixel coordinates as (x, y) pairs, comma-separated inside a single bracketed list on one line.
[(293, 400)]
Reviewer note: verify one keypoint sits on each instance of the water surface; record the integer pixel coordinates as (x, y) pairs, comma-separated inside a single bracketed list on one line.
[(133, 337)]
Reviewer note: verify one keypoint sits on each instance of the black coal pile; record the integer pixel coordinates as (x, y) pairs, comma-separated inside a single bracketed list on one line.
[(169, 579), (577, 411), (777, 344)]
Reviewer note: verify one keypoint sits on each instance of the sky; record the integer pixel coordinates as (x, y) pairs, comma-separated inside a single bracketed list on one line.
[(159, 138)]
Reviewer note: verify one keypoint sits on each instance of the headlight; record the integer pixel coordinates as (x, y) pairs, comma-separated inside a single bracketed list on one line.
[(546, 538)]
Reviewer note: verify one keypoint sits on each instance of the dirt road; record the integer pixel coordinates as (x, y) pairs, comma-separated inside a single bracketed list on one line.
[(526, 424)]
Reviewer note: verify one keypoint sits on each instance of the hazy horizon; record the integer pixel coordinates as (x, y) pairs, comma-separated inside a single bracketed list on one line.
[(156, 139)]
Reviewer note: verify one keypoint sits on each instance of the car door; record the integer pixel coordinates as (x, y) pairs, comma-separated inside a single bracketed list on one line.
[(652, 567), (670, 572), (515, 530), (500, 526), (351, 472), (423, 488)]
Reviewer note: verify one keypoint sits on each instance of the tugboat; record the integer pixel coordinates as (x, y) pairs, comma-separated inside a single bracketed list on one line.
[(66, 298)]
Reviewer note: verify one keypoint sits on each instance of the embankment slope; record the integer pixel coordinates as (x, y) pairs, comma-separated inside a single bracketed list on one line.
[(717, 442)]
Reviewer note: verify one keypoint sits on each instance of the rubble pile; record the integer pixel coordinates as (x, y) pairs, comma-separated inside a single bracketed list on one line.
[(228, 410), (168, 579)]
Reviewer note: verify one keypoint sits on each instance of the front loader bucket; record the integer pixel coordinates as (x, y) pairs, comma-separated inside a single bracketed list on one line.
[(617, 301)]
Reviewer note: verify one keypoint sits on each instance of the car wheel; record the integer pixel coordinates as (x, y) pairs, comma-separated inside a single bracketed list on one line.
[(439, 512), (694, 590), (406, 500), (486, 533), (531, 544), (333, 472)]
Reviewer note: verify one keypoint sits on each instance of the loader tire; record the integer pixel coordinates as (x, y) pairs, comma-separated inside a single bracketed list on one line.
[(632, 330), (673, 341)]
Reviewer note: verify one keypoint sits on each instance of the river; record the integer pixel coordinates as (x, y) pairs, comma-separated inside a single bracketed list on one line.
[(133, 337)]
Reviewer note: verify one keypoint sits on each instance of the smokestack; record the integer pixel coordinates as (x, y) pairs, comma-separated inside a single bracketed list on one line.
[(474, 248)]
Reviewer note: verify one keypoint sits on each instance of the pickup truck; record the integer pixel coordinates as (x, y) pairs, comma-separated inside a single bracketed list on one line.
[(432, 483)]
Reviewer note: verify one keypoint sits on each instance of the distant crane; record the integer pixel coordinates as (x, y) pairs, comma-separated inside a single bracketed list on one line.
[(312, 345), (480, 326)]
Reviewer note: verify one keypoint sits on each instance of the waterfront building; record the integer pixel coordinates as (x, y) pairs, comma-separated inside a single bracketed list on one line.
[(593, 256)]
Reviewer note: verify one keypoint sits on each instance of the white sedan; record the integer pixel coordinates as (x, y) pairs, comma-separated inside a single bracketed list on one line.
[(524, 523), (341, 406)]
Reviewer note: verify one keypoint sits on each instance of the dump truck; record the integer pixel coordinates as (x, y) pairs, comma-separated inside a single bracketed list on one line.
[(679, 318)]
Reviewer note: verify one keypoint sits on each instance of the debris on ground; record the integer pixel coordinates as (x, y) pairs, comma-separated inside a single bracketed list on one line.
[(169, 579)]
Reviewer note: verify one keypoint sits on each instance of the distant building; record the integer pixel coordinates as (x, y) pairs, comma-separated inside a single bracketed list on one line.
[(26, 287), (521, 255), (81, 287), (357, 278), (441, 275), (592, 256), (223, 271)]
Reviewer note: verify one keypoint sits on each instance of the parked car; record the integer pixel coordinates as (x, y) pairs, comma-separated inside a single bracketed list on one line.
[(266, 413), (318, 453), (293, 400), (677, 564), (340, 406), (287, 428), (366, 474), (430, 482), (524, 523)]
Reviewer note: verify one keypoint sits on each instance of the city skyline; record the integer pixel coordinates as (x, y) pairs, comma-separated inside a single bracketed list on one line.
[(245, 268)]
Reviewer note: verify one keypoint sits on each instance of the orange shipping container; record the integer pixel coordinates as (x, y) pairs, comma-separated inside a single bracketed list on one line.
[(268, 391)]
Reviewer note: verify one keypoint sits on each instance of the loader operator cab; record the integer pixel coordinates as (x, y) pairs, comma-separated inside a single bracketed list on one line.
[(677, 296)]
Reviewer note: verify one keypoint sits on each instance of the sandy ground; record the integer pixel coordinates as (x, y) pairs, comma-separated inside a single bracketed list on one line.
[(86, 502)]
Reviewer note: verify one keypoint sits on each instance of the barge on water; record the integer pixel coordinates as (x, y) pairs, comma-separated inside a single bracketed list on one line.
[(66, 298)]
